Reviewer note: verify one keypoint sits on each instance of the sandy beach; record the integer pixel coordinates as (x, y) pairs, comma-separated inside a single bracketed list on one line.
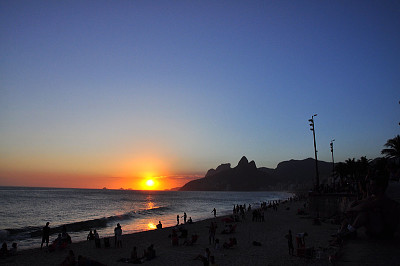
[(270, 233)]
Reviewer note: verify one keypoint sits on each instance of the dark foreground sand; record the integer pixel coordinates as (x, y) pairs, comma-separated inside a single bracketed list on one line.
[(274, 250)]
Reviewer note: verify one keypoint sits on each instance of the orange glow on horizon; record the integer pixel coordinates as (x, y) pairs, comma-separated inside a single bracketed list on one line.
[(150, 183), (139, 181), (144, 172)]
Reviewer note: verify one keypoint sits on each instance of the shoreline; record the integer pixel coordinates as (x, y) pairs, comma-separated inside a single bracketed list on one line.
[(135, 217), (270, 233)]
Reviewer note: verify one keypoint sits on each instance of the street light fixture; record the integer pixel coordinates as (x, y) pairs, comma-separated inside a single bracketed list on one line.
[(315, 151), (333, 161)]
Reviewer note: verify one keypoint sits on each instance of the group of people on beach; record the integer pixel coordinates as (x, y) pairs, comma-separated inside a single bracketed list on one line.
[(5, 252), (184, 216), (62, 241), (374, 211), (70, 260), (148, 254)]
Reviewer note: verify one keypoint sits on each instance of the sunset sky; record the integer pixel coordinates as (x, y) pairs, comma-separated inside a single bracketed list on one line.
[(111, 93)]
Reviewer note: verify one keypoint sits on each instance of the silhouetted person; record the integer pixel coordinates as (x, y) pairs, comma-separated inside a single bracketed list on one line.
[(211, 233), (184, 217), (177, 219), (204, 258), (135, 259), (97, 239), (65, 236), (13, 250), (150, 252), (90, 235), (4, 250), (159, 225), (118, 236), (45, 235), (215, 212), (289, 237)]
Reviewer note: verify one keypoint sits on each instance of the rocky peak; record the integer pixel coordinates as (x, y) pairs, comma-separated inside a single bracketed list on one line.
[(252, 164), (243, 162), (223, 167), (220, 168)]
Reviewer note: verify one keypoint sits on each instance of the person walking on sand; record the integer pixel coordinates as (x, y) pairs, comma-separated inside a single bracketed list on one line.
[(45, 235), (289, 237), (215, 212)]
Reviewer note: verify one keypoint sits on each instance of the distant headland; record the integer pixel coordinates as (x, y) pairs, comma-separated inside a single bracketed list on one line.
[(288, 175)]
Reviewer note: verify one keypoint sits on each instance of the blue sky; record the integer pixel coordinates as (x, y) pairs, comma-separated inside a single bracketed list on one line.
[(88, 85)]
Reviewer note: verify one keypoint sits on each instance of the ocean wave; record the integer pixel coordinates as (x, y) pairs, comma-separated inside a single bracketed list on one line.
[(81, 225), (156, 210)]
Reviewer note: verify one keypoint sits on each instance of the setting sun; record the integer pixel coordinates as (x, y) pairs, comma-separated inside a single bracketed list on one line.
[(150, 182)]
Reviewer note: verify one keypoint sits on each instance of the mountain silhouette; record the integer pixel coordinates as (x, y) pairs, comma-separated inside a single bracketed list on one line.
[(247, 177)]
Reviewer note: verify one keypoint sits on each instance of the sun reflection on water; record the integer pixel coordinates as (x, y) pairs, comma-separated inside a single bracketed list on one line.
[(150, 205), (151, 226)]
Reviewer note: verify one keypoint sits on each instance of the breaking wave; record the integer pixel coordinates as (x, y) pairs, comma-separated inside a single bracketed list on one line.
[(36, 231)]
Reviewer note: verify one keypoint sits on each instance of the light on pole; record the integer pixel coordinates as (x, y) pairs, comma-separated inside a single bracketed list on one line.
[(315, 151), (333, 160)]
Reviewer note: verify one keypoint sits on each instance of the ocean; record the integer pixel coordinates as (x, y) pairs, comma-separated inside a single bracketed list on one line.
[(24, 211)]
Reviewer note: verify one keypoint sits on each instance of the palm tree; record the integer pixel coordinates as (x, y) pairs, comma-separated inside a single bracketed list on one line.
[(351, 167), (362, 165), (393, 148), (341, 169)]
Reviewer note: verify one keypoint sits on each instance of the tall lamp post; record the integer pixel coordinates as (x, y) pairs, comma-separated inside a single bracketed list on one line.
[(315, 151), (333, 160)]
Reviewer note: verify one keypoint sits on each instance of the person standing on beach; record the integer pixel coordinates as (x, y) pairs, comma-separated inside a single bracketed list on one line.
[(90, 235), (45, 235), (177, 219), (289, 237), (96, 239), (118, 236), (184, 217), (215, 212), (211, 233)]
